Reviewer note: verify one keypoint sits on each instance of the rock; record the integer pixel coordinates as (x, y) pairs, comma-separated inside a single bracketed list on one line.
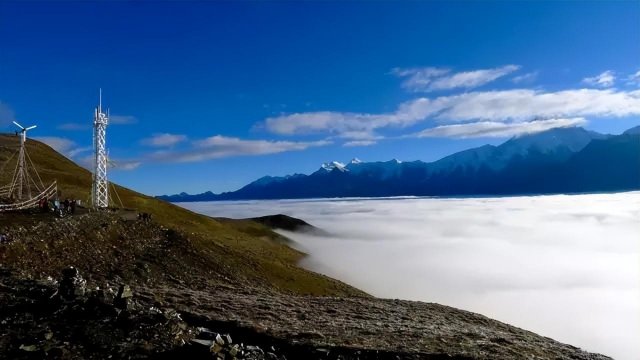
[(202, 342), (215, 348), (72, 284), (234, 350), (123, 299), (80, 286), (254, 349), (125, 292), (204, 333), (28, 348), (219, 339), (171, 314)]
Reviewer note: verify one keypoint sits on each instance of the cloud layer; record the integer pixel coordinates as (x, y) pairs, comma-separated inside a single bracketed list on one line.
[(74, 126), (605, 79), (562, 266), (72, 150), (59, 144), (518, 105), (163, 140), (122, 119), (218, 146), (525, 78), (498, 129), (427, 79), (634, 79)]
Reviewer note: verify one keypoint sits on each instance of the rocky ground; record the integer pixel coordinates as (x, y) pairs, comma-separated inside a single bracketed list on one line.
[(139, 290)]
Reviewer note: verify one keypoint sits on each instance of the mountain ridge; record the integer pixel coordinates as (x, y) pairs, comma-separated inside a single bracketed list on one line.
[(529, 164)]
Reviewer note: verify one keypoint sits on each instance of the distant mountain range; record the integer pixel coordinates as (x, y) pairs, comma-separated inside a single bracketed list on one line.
[(564, 160)]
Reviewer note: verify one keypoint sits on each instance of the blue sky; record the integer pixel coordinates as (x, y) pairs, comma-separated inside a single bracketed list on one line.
[(210, 96)]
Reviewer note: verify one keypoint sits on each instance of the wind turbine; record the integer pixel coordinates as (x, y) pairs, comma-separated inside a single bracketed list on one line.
[(23, 131), (21, 179)]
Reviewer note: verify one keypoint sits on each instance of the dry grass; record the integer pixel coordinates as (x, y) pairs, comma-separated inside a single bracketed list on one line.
[(250, 250)]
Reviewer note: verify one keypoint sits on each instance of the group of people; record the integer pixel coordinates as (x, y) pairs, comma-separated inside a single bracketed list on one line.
[(145, 217), (69, 206), (60, 208)]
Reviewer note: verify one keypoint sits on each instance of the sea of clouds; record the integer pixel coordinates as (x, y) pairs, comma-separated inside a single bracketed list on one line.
[(564, 266)]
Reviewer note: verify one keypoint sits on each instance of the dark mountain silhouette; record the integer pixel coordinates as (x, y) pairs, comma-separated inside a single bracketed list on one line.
[(566, 160), (285, 222)]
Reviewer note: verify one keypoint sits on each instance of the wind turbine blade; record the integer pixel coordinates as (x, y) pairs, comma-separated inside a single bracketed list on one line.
[(31, 127), (18, 125)]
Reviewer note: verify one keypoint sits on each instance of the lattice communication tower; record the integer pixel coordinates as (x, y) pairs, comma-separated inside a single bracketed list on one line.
[(100, 189)]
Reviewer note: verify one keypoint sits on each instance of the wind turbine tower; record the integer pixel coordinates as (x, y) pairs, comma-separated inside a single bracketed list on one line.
[(100, 190), (20, 181)]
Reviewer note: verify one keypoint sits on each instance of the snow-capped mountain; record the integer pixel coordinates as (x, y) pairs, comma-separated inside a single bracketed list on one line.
[(334, 165), (558, 160)]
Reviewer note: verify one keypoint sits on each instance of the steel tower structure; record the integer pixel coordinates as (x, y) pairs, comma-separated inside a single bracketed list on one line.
[(21, 181), (100, 189)]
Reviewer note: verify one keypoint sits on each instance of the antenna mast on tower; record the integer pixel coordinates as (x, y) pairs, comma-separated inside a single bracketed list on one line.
[(100, 189)]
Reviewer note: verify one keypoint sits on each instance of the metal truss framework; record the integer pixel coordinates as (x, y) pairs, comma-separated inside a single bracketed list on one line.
[(100, 189)]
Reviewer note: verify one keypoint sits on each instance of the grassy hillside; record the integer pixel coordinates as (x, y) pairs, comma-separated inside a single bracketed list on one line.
[(250, 251)]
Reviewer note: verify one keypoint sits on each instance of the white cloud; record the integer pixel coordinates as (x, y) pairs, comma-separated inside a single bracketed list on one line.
[(69, 149), (163, 140), (125, 164), (544, 263), (634, 79), (498, 129), (66, 147), (214, 147), (6, 114), (79, 150), (122, 119), (217, 147), (530, 104), (431, 79), (359, 135), (497, 106), (605, 79), (59, 144), (471, 79), (323, 121), (74, 126), (359, 143), (418, 79), (357, 126), (525, 78), (113, 120)]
